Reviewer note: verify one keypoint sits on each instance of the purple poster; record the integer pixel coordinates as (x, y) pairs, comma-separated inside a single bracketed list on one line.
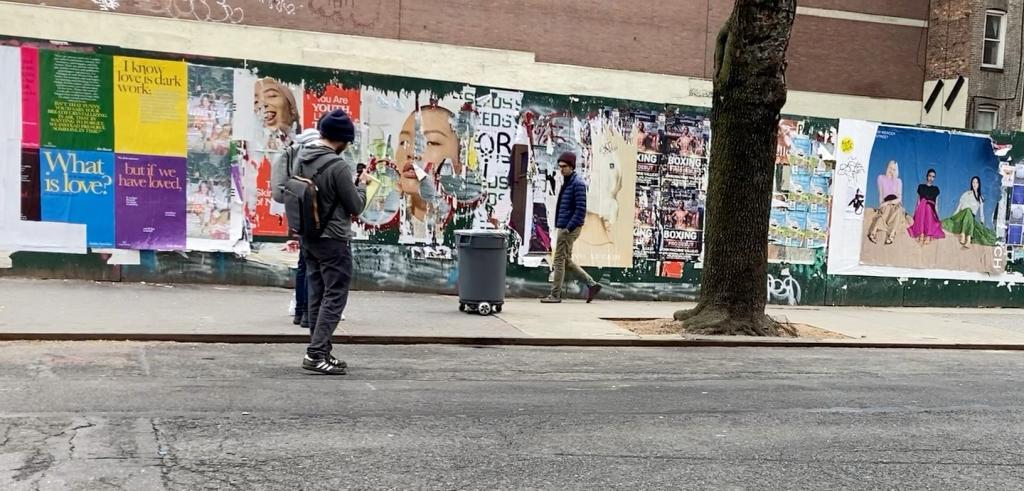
[(150, 211)]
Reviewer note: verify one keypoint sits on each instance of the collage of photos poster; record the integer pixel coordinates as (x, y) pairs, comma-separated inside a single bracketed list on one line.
[(671, 185), (801, 193)]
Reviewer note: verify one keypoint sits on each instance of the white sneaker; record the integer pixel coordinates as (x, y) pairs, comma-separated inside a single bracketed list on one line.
[(342, 316)]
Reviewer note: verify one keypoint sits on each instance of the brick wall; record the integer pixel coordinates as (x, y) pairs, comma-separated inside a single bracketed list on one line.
[(949, 39), (992, 87), (862, 58), (675, 37)]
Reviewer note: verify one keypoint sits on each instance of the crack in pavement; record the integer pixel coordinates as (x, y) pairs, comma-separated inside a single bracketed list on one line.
[(74, 434), (7, 435), (167, 461), (41, 461), (38, 463)]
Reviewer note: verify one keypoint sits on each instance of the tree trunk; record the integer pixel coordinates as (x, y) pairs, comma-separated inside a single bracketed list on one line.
[(749, 92)]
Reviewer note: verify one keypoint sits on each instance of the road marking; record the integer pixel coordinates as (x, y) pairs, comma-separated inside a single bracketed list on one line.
[(143, 362)]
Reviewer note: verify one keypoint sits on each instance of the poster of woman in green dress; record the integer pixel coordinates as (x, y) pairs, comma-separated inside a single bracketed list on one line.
[(969, 220)]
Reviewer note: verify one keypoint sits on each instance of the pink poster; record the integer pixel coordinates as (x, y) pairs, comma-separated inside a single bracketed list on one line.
[(29, 97)]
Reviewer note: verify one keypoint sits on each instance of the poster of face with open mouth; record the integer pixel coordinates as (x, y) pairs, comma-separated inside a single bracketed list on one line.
[(267, 117), (268, 112), (417, 161)]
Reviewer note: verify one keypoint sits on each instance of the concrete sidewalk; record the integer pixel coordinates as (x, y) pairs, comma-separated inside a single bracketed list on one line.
[(58, 309)]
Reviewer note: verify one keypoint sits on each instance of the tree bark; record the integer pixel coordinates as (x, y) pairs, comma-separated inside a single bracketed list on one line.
[(749, 92)]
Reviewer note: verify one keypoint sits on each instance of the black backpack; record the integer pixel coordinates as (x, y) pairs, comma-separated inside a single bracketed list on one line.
[(302, 203)]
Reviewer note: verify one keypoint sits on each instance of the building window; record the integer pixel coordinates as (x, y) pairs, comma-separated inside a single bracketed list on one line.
[(986, 118), (995, 39)]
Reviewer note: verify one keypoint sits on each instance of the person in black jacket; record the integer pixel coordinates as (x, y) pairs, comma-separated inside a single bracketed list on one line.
[(329, 257), (569, 215)]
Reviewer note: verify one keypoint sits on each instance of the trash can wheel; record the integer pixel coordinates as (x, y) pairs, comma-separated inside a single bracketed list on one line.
[(462, 307), (484, 308), (497, 309)]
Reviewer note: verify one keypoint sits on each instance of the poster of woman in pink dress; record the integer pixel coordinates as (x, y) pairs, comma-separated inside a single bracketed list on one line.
[(927, 225)]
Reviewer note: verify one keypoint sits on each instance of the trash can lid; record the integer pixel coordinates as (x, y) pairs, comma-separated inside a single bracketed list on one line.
[(482, 231)]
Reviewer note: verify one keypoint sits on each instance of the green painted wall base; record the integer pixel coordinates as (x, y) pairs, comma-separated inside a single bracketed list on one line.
[(388, 268)]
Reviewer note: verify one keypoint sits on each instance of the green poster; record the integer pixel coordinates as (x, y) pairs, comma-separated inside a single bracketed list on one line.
[(77, 101)]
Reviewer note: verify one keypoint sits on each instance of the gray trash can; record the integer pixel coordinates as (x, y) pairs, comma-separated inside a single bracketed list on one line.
[(482, 260)]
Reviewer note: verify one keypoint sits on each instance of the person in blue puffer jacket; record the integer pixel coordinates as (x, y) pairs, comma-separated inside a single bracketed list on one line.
[(569, 216)]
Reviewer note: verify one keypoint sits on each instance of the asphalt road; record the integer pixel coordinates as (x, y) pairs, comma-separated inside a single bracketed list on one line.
[(181, 416)]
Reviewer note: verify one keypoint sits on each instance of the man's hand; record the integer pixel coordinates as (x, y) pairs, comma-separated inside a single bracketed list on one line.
[(364, 178)]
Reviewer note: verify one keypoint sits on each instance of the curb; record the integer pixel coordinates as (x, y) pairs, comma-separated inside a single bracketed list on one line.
[(498, 341)]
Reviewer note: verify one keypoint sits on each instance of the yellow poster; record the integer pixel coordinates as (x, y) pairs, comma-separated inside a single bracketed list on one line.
[(150, 106)]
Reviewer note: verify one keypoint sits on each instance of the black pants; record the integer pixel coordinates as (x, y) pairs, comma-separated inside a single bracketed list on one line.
[(328, 274), (301, 289)]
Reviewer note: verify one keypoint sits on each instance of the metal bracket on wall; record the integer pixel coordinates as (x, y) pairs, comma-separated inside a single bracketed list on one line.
[(955, 92), (934, 95)]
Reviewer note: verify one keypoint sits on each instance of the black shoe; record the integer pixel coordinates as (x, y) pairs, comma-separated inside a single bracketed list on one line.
[(592, 292), (323, 365), (334, 361), (305, 321), (298, 319)]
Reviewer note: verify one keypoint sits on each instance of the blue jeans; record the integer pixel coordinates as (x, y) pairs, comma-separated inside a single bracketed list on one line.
[(301, 285)]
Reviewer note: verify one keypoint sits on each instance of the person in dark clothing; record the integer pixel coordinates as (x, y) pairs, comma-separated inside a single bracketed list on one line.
[(570, 213), (281, 171), (329, 257)]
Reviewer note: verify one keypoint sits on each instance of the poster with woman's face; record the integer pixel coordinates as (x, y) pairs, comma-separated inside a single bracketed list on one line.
[(383, 198), (417, 142), (268, 113)]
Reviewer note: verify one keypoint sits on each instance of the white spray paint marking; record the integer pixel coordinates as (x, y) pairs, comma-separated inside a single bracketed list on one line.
[(784, 290), (107, 5)]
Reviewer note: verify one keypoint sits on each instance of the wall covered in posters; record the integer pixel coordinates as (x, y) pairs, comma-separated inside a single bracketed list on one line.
[(444, 156), (801, 196), (1015, 226), (1010, 151)]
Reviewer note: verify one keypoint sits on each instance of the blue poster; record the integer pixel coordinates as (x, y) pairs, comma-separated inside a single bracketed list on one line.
[(1015, 235), (796, 223), (1016, 224), (955, 158), (77, 186), (817, 229), (819, 185), (932, 201), (803, 145), (800, 182)]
